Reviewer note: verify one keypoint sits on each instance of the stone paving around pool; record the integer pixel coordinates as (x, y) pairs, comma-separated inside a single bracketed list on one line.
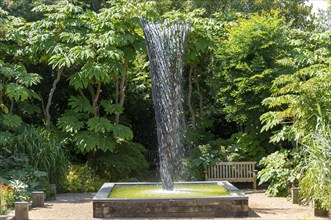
[(78, 206)]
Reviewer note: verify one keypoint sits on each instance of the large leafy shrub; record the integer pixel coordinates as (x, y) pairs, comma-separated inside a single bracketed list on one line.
[(281, 170), (44, 152), (241, 146), (127, 161), (81, 178)]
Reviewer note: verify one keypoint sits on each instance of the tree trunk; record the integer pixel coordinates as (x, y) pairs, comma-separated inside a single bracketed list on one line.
[(189, 97), (200, 97), (95, 99), (50, 98), (120, 94)]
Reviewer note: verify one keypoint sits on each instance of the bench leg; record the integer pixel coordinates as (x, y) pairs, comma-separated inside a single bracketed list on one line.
[(254, 184)]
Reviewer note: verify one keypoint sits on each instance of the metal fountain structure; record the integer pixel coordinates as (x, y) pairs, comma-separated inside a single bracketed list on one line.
[(166, 44)]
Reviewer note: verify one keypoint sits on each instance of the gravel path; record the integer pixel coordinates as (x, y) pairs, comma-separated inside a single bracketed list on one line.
[(78, 206)]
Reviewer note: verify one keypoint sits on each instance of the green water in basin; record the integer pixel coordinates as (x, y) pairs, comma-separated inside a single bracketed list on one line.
[(155, 191)]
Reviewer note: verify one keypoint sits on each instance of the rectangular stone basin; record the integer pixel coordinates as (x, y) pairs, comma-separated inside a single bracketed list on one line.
[(233, 205)]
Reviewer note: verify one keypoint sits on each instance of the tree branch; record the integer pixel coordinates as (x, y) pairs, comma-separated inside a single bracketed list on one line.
[(189, 97), (50, 97)]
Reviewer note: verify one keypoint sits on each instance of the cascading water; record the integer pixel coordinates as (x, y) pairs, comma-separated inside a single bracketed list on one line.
[(166, 43)]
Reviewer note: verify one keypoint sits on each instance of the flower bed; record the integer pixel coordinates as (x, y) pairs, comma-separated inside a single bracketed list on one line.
[(6, 199)]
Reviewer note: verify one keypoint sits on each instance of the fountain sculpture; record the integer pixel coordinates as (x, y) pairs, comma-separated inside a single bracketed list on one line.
[(166, 44)]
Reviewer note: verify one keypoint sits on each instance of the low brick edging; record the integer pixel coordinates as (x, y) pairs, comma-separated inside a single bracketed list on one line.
[(234, 205)]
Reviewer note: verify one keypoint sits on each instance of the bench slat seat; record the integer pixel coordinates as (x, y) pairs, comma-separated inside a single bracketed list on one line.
[(232, 172)]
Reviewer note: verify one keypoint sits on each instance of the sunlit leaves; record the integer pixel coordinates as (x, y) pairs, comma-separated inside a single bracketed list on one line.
[(71, 37), (61, 60), (123, 132), (248, 64), (110, 52), (18, 83), (90, 72), (17, 92), (118, 68), (70, 123), (95, 52), (300, 98), (82, 53)]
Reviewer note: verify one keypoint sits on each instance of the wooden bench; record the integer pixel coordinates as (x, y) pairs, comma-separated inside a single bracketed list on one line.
[(232, 172)]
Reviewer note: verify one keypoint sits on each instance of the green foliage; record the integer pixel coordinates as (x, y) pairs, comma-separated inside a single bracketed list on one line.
[(19, 190), (10, 121), (16, 84), (88, 141), (6, 199), (243, 147), (305, 93), (81, 178), (200, 157), (315, 183), (281, 170), (15, 87), (44, 152), (127, 161), (323, 20), (22, 177), (93, 133), (207, 157), (296, 12), (96, 53), (300, 110), (239, 147), (23, 8), (248, 64)]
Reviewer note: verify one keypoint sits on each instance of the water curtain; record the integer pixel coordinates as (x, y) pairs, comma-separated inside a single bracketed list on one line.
[(166, 44)]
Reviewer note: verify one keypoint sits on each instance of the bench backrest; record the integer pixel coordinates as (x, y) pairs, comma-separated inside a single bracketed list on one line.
[(231, 170)]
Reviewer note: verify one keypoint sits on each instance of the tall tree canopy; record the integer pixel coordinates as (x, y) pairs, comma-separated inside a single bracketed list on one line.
[(247, 62)]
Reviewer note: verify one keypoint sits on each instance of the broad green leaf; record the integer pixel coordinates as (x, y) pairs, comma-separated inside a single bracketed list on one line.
[(111, 52), (88, 141), (80, 104), (90, 71), (61, 60), (70, 123), (28, 79), (17, 92), (11, 121), (82, 53), (122, 132), (79, 81), (99, 124)]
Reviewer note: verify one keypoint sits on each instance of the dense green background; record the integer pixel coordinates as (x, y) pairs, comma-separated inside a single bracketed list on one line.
[(75, 99)]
